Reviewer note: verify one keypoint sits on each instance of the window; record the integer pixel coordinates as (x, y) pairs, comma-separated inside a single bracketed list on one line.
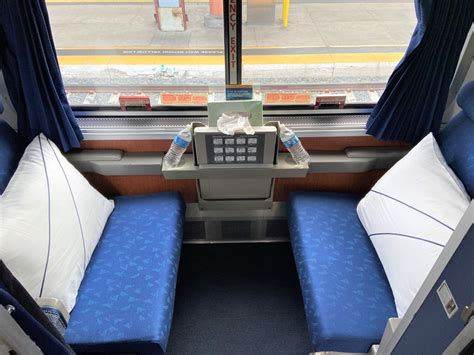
[(172, 51), (347, 47), (112, 48)]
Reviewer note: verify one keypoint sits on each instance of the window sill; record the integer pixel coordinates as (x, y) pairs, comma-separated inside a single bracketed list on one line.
[(113, 125)]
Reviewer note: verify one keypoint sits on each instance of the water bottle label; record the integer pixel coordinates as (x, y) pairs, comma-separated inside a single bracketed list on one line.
[(291, 142), (180, 142)]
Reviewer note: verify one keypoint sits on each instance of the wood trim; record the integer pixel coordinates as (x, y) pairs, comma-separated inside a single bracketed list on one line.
[(137, 185), (340, 182), (341, 143), (321, 143)]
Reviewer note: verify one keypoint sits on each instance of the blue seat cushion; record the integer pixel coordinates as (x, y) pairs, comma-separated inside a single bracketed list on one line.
[(126, 298), (457, 139), (346, 294), (12, 146)]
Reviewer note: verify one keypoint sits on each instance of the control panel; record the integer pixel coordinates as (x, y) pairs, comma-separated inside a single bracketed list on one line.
[(239, 149), (235, 171), (215, 148)]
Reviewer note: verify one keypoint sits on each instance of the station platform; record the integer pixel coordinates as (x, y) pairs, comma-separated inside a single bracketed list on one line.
[(352, 31), (117, 42)]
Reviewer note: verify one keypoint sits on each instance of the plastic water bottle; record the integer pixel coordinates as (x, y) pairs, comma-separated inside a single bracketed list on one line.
[(178, 147), (293, 144)]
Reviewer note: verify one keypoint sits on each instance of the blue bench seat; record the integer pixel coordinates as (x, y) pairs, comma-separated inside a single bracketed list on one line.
[(126, 298), (125, 302), (346, 294)]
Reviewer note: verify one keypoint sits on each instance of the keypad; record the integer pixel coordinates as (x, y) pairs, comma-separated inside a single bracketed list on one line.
[(238, 149)]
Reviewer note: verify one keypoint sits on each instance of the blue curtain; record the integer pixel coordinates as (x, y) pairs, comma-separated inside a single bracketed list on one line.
[(31, 71), (413, 102)]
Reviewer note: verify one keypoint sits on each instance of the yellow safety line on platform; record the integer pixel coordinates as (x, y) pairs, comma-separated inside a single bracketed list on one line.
[(217, 60), (323, 58)]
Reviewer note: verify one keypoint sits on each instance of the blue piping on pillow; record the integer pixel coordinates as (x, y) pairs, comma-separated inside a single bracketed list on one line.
[(413, 208)]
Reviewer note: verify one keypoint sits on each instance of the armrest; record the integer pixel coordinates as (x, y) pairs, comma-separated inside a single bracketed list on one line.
[(116, 162), (354, 160)]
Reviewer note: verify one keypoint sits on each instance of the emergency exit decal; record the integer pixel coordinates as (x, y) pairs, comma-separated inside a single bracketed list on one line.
[(233, 30), (233, 38)]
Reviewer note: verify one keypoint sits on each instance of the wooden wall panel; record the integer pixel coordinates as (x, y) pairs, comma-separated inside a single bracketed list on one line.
[(340, 143), (321, 143), (341, 182), (136, 185)]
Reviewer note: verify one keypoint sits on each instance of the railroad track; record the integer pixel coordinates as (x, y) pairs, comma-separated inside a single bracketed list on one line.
[(108, 96), (203, 88)]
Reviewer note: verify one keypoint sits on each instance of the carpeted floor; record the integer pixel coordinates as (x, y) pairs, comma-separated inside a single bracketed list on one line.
[(238, 299)]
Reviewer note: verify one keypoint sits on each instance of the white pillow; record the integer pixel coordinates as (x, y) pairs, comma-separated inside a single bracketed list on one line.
[(50, 222), (409, 216)]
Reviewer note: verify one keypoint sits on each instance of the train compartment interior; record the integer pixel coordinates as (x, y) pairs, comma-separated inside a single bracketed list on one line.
[(228, 176)]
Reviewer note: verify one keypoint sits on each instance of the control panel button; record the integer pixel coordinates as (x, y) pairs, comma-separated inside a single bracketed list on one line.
[(240, 149)]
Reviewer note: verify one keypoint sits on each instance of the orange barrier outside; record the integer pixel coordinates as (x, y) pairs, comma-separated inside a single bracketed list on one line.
[(183, 99), (287, 98), (216, 7)]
